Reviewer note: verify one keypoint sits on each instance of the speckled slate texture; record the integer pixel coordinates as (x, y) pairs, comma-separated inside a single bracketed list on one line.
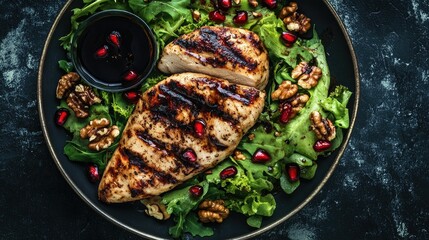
[(379, 190)]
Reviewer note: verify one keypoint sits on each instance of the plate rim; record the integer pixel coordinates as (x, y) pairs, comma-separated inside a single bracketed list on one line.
[(246, 236)]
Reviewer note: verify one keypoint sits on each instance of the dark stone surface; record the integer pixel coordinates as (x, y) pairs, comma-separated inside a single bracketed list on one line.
[(379, 190)]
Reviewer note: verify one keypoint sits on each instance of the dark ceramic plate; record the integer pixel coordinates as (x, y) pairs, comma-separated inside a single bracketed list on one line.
[(130, 216)]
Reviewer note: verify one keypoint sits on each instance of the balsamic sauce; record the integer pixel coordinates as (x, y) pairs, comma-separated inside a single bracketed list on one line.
[(133, 53)]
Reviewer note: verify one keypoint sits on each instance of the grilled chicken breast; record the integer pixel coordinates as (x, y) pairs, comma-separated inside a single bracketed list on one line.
[(234, 54), (182, 126)]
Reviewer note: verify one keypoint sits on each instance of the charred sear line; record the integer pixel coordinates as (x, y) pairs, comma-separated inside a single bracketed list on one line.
[(172, 150), (196, 101), (219, 44), (231, 91), (255, 42), (217, 143), (136, 160)]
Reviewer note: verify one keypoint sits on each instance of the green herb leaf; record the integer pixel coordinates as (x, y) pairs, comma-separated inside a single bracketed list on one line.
[(66, 66), (254, 221)]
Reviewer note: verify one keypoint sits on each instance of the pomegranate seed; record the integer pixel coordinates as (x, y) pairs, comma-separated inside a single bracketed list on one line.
[(261, 156), (189, 155), (217, 16), (199, 126), (132, 96), (286, 111), (102, 52), (240, 17), (115, 39), (196, 190), (271, 4), (228, 172), (292, 170), (289, 38), (61, 116), (130, 76), (224, 4), (93, 173), (321, 145)]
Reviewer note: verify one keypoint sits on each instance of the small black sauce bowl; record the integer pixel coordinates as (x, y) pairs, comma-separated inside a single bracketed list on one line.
[(138, 50)]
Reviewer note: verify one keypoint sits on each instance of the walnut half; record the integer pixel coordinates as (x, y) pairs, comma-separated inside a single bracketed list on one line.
[(155, 208), (212, 211), (307, 76), (285, 90), (322, 127), (100, 136), (66, 82), (81, 99), (298, 102), (294, 21)]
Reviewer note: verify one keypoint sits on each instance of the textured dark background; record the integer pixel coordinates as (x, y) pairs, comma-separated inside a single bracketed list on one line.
[(378, 191)]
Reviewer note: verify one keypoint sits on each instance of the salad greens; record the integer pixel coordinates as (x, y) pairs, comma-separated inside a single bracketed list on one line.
[(250, 191)]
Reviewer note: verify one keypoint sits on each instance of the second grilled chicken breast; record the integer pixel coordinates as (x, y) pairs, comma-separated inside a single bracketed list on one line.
[(234, 54), (182, 126)]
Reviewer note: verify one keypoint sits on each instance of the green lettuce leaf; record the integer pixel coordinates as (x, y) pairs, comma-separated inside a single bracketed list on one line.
[(288, 186), (253, 204), (336, 103), (195, 227), (66, 66)]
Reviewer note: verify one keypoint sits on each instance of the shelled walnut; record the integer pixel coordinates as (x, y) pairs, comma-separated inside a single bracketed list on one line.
[(253, 3), (86, 94), (155, 208), (285, 90), (294, 21), (322, 127), (99, 134), (80, 99), (65, 83), (212, 211), (196, 15), (238, 155), (307, 76), (298, 102)]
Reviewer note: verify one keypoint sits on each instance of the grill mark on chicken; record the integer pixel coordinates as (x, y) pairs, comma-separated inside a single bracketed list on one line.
[(135, 160), (171, 150), (183, 96), (216, 42), (230, 92)]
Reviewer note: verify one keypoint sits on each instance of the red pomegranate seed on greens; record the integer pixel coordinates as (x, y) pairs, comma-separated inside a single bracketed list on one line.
[(224, 4), (196, 190), (240, 17), (132, 96), (271, 4), (292, 170), (228, 172), (286, 111), (61, 116), (217, 16), (289, 38), (261, 156), (322, 145)]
